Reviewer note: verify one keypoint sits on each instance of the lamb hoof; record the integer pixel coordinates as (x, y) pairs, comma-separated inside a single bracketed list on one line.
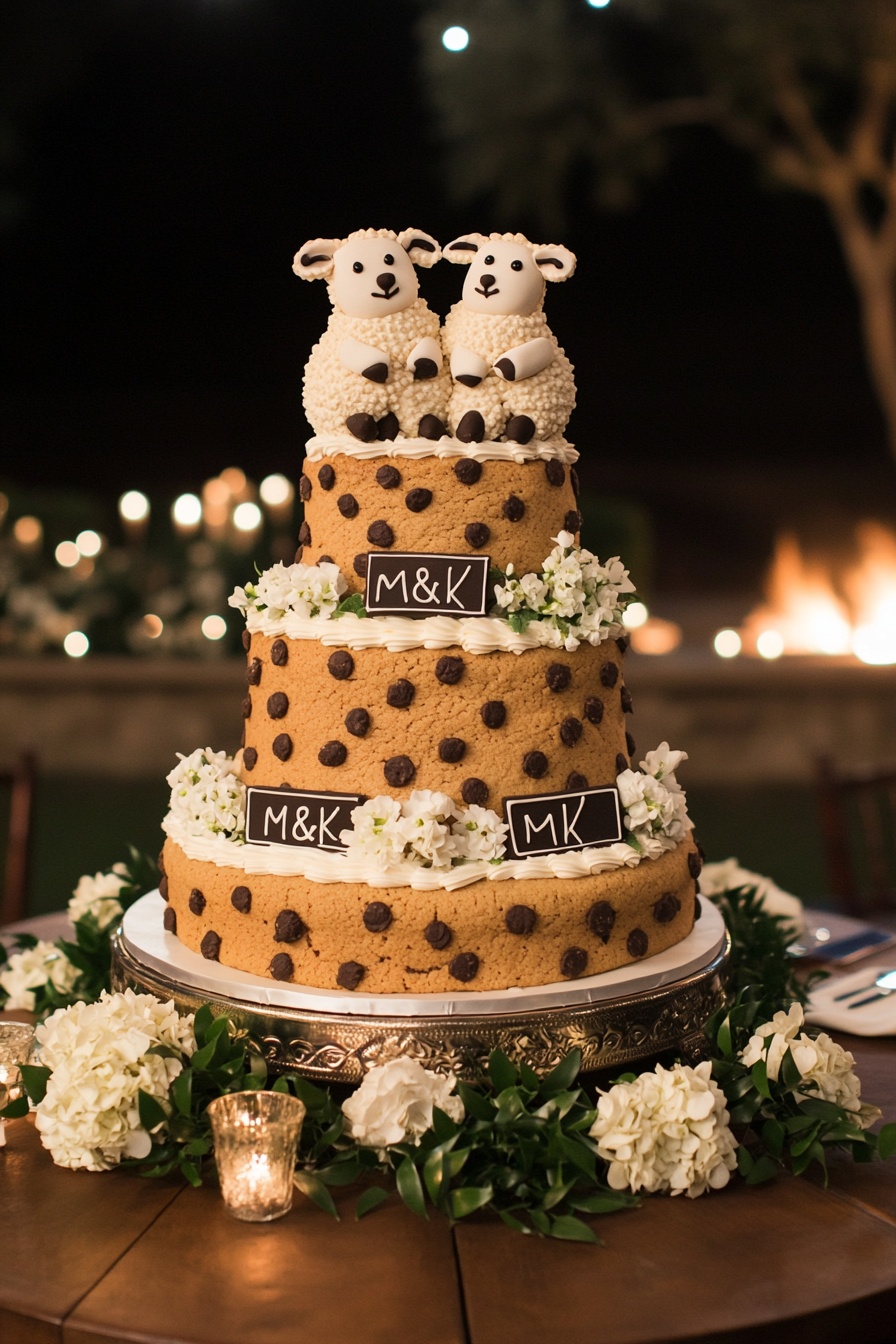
[(425, 368), (376, 373), (431, 427), (362, 426), (471, 428), (468, 380), (507, 369), (388, 427), (519, 428)]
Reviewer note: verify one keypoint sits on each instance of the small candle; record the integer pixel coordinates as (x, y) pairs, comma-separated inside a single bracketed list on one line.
[(256, 1135)]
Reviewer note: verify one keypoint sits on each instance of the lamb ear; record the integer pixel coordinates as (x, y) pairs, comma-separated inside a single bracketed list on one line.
[(464, 248), (421, 247), (554, 262), (314, 261)]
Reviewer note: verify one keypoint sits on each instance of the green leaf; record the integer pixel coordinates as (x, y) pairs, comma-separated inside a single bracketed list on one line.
[(475, 1104), (461, 1203), (151, 1113), (407, 1180), (886, 1141), (354, 604), (567, 1227), (34, 1079), (370, 1200), (763, 1169), (773, 1137), (564, 1075), (501, 1071), (182, 1092), (434, 1174), (604, 1202), (317, 1192), (15, 1110), (443, 1126), (759, 1074), (191, 1172), (789, 1075)]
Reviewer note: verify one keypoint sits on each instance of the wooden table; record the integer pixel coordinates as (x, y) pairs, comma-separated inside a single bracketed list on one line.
[(87, 1257)]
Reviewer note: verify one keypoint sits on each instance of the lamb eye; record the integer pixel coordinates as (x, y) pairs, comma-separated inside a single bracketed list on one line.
[(357, 268), (489, 261), (389, 259), (516, 265)]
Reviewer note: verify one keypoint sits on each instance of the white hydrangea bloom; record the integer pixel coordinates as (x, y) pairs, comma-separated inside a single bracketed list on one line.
[(667, 1130), (207, 794), (654, 801), (31, 969), (825, 1067), (98, 1054), (575, 592), (376, 832), (307, 590), (395, 1101), (480, 834), (98, 896)]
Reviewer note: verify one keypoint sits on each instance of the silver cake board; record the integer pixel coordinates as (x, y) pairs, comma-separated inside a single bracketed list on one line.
[(633, 1013)]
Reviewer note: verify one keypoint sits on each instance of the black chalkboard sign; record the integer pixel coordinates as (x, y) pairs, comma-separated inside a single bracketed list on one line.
[(299, 819), (421, 583), (556, 823)]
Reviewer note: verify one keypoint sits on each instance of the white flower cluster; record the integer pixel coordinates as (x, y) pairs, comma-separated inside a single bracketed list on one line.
[(395, 1101), (666, 1130), (428, 828), (31, 969), (574, 591), (98, 896), (207, 794), (307, 590), (654, 801), (98, 1054), (825, 1067)]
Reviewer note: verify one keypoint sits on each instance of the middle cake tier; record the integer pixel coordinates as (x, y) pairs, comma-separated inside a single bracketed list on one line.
[(478, 727)]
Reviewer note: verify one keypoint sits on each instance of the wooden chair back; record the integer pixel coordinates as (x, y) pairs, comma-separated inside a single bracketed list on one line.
[(858, 818), (20, 782)]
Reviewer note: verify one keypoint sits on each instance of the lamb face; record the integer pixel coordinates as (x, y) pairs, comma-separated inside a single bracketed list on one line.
[(372, 277), (503, 279)]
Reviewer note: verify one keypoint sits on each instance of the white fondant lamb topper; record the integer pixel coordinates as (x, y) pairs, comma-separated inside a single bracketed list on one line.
[(377, 370), (510, 378)]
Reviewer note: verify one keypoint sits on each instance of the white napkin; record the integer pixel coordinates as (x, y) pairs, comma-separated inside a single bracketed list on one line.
[(872, 1019)]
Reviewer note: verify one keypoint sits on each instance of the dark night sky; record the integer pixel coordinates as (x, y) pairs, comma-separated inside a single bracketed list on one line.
[(168, 157)]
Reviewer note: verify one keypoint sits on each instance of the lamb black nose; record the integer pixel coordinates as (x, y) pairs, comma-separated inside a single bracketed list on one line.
[(386, 280), (487, 281)]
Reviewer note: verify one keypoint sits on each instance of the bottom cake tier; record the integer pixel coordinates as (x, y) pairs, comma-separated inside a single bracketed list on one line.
[(394, 940)]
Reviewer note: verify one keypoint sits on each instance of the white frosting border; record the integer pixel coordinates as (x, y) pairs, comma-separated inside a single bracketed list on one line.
[(539, 450)]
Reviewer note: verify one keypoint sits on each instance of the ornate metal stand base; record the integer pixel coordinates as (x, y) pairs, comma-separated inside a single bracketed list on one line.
[(337, 1047)]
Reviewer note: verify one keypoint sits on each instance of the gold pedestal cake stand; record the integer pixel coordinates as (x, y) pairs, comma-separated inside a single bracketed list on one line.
[(616, 1018)]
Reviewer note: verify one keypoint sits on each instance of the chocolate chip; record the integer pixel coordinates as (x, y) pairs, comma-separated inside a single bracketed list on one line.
[(594, 709), (572, 520), (636, 943), (623, 642), (246, 706), (535, 764), (630, 745), (326, 477), (576, 781), (666, 908), (574, 481), (196, 901), (246, 640), (449, 670), (463, 967), (163, 888), (438, 935), (380, 533), (573, 962), (304, 535), (347, 506), (210, 946), (350, 975), (558, 676), (570, 730), (555, 472), (513, 508), (621, 763), (332, 753), (698, 908), (477, 535), (359, 565), (388, 477), (278, 704), (520, 919), (282, 746), (625, 699), (695, 864), (304, 488), (250, 758), (468, 470), (452, 749), (399, 771), (400, 693), (600, 920), (474, 791), (288, 927), (169, 920), (377, 917), (493, 713), (241, 900), (253, 672), (357, 721), (609, 675), (279, 653), (281, 966), (340, 664), (418, 500)]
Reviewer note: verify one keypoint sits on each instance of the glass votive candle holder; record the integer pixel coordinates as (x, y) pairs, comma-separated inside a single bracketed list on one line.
[(16, 1039), (256, 1135)]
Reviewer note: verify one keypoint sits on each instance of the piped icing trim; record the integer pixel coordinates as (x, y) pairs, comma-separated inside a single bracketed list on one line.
[(540, 450)]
